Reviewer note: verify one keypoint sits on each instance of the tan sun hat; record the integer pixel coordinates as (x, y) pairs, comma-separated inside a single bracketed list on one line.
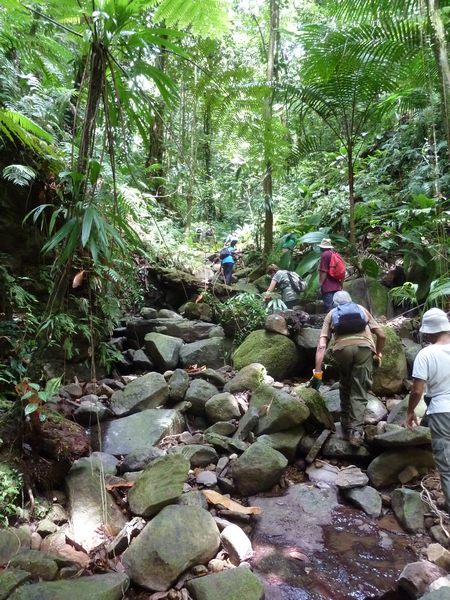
[(326, 243)]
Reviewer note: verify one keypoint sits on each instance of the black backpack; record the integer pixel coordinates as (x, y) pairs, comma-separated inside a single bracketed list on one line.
[(224, 253), (297, 284)]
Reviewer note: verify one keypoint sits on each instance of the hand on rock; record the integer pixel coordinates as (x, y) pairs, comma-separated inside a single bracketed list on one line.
[(411, 420)]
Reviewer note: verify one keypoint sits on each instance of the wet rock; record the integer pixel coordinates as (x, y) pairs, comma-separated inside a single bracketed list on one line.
[(396, 436), (375, 411), (206, 478), (138, 460), (39, 564), (277, 324), (142, 362), (199, 392), (111, 586), (165, 313), (164, 350), (323, 473), (366, 498), (198, 455), (74, 390), (178, 538), (10, 580), (91, 411), (278, 410), (409, 509), (232, 584), (384, 469), (319, 415), (211, 376), (317, 446), (222, 407), (222, 428), (209, 352), (225, 444), (439, 555), (148, 313), (193, 498), (122, 540), (137, 432), (91, 507), (148, 391), (178, 385), (257, 469), (285, 442), (389, 378), (333, 402), (12, 541), (276, 352), (416, 577), (249, 378), (237, 544), (196, 311), (160, 484), (337, 447), (351, 477)]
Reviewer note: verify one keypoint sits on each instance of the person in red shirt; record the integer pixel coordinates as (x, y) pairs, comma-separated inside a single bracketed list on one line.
[(328, 285)]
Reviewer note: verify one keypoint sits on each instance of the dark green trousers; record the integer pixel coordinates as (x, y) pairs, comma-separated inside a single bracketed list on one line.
[(355, 365), (440, 443)]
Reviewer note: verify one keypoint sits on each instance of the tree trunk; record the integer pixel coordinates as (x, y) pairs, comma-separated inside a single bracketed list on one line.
[(209, 204), (272, 74), (351, 195), (441, 54)]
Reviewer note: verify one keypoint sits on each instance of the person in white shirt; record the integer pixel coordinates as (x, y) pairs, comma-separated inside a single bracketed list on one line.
[(431, 374)]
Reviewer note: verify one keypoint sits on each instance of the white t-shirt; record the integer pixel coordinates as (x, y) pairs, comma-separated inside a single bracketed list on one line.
[(432, 364)]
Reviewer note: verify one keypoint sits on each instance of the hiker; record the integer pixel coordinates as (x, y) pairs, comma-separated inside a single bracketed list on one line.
[(331, 272), (227, 259), (355, 352), (288, 282), (432, 369), (287, 249)]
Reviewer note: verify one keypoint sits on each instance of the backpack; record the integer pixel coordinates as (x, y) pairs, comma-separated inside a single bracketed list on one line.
[(348, 318), (224, 253), (336, 269), (296, 283)]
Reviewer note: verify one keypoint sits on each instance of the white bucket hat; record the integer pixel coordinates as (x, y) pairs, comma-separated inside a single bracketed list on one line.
[(434, 321), (326, 243), (341, 297)]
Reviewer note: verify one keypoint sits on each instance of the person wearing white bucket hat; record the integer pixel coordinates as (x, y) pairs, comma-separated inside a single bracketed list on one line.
[(331, 272), (431, 369)]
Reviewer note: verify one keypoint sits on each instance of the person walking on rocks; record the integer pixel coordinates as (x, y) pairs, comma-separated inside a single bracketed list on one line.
[(331, 272), (288, 282), (431, 369), (227, 259), (354, 351)]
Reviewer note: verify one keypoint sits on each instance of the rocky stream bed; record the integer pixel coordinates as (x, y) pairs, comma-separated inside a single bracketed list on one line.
[(196, 481)]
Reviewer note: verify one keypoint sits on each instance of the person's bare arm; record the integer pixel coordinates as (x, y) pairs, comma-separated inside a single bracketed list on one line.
[(414, 399), (381, 340), (320, 352), (272, 286), (322, 277)]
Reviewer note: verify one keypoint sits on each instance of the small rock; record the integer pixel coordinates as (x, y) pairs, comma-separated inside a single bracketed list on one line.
[(40, 565), (416, 577), (222, 407), (323, 473), (408, 474), (232, 583), (409, 509), (45, 527), (193, 498), (138, 460), (237, 544), (36, 541), (225, 428), (351, 477), (206, 478), (438, 555), (438, 535), (57, 514), (74, 390), (257, 469), (367, 498), (122, 540), (216, 565), (10, 580)]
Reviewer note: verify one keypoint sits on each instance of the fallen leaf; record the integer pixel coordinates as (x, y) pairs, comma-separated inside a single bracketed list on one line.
[(298, 556), (119, 484), (78, 279), (216, 498)]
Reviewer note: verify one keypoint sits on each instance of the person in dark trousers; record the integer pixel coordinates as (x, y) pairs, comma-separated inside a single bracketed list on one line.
[(354, 354), (286, 282), (228, 262), (431, 369), (328, 285)]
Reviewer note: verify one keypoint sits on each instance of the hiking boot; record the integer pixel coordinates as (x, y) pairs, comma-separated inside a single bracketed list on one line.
[(356, 439)]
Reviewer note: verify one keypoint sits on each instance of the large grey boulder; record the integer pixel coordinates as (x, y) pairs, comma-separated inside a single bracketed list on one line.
[(390, 377), (12, 541), (136, 432), (416, 578), (160, 484), (397, 415), (385, 468), (198, 394), (149, 391), (164, 350), (188, 331), (178, 538), (209, 352), (319, 415), (279, 410), (248, 378), (110, 586), (366, 498), (178, 385), (409, 509), (411, 351), (397, 436), (222, 407), (258, 469), (39, 564), (276, 352), (371, 294), (10, 580), (233, 584), (375, 411), (91, 508), (138, 460), (90, 411), (286, 441), (333, 402)]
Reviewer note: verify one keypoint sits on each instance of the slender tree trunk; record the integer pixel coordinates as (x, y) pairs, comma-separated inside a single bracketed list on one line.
[(192, 157), (441, 54), (155, 157), (272, 74), (209, 205), (351, 195)]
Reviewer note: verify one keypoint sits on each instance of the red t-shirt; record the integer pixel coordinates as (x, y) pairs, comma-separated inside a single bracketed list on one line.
[(330, 284)]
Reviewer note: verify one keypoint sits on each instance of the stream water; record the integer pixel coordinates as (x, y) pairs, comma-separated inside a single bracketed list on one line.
[(309, 547)]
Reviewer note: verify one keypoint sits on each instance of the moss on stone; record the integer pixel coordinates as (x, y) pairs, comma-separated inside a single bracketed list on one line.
[(389, 377)]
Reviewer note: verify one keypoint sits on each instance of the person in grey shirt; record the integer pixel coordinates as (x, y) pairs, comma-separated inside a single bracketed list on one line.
[(287, 282)]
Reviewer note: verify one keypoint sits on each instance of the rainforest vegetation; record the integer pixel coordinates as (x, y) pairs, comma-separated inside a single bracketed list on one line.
[(127, 125)]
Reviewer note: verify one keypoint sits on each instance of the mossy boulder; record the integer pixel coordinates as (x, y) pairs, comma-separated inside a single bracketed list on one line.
[(278, 410), (276, 352), (371, 294), (319, 417), (389, 378)]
